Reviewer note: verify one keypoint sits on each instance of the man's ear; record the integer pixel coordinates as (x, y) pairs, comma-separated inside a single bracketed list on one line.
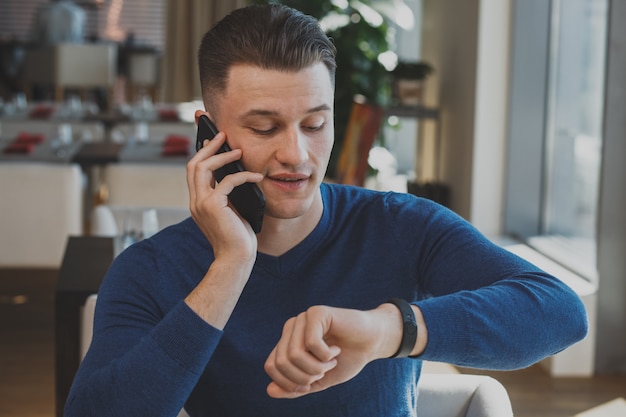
[(200, 113)]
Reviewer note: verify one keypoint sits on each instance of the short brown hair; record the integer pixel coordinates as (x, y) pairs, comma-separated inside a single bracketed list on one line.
[(270, 36)]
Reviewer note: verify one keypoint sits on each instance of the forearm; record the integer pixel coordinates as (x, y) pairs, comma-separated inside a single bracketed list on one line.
[(215, 297), (126, 373), (508, 325)]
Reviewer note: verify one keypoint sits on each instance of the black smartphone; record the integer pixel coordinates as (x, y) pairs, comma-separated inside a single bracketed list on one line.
[(247, 198)]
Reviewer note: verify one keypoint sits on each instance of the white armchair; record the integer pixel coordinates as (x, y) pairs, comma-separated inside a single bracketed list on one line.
[(41, 205), (147, 185), (462, 395), (440, 395)]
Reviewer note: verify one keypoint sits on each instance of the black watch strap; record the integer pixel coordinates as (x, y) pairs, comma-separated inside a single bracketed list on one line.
[(409, 328)]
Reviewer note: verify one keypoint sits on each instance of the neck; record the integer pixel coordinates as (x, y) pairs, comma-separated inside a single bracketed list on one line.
[(280, 235)]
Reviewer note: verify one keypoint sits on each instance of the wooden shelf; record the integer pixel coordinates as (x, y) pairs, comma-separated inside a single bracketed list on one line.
[(417, 112)]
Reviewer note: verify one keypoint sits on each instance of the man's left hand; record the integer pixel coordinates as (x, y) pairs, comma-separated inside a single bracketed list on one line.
[(326, 346)]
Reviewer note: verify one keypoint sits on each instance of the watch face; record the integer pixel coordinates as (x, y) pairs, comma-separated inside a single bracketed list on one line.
[(410, 328)]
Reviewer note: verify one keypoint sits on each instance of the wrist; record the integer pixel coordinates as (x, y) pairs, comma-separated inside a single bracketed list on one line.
[(215, 297), (241, 257), (409, 328), (233, 264), (391, 333), (393, 329)]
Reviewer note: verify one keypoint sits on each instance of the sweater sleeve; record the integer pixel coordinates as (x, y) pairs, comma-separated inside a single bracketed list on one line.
[(507, 325), (485, 307), (146, 356)]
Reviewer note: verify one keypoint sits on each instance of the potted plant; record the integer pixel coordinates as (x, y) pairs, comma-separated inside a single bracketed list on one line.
[(408, 82)]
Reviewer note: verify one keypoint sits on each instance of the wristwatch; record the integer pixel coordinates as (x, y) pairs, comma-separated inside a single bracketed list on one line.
[(409, 328)]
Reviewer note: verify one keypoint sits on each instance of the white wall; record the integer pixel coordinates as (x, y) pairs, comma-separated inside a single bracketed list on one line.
[(449, 42), (611, 341), (486, 204), (467, 42)]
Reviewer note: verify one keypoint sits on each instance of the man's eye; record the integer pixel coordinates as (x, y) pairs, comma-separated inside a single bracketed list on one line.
[(263, 132), (314, 128)]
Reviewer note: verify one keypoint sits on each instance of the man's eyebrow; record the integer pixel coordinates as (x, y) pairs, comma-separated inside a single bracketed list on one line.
[(262, 112), (322, 107)]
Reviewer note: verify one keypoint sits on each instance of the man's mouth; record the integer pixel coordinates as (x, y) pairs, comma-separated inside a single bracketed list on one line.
[(288, 177), (289, 180)]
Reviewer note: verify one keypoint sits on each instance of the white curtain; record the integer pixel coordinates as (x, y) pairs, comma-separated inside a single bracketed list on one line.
[(186, 22)]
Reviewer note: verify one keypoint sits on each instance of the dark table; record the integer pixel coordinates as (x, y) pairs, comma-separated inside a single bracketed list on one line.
[(86, 260), (98, 153)]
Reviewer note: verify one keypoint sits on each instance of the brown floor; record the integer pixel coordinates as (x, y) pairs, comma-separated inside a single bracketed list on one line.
[(534, 393), (27, 361), (27, 343)]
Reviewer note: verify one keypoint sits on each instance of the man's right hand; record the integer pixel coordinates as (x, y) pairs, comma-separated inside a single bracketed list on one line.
[(233, 241), (209, 205)]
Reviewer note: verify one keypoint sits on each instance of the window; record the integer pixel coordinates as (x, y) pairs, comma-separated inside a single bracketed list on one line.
[(555, 132), (573, 136)]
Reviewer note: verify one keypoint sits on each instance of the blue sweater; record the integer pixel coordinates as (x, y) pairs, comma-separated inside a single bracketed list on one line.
[(483, 306)]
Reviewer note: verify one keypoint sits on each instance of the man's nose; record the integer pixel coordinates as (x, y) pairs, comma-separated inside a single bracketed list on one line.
[(292, 149)]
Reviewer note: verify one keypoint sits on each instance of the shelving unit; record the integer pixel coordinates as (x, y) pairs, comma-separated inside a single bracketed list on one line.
[(431, 189)]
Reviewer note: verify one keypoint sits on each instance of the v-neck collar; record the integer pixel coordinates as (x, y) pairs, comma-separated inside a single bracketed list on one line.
[(283, 266)]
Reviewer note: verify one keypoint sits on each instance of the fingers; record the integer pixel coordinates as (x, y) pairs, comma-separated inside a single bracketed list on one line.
[(209, 205), (200, 167), (200, 177), (209, 148), (301, 358)]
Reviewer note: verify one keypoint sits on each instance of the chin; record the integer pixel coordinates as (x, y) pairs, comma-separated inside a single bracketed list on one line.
[(286, 211), (292, 208)]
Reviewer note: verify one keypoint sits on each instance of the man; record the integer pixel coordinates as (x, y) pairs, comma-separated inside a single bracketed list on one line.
[(297, 320)]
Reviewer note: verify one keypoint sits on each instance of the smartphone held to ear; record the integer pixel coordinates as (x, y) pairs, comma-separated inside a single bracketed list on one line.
[(247, 198)]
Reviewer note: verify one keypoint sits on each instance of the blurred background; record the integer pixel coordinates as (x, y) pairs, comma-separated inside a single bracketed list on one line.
[(509, 112)]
